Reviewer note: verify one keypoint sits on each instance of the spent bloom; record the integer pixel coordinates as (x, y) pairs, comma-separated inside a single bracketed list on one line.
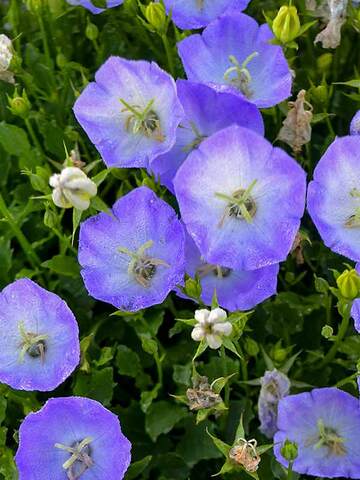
[(211, 326), (72, 188), (6, 56), (244, 453), (72, 438), (189, 14), (334, 197), (131, 112), (39, 345), (235, 289), (335, 12), (134, 256), (206, 112), (355, 124), (233, 54), (324, 423), (96, 6), (241, 199), (355, 313), (274, 386)]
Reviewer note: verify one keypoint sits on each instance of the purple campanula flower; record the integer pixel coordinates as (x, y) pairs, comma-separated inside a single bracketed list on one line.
[(133, 257), (72, 438), (355, 124), (206, 112), (96, 6), (188, 14), (233, 54), (325, 424), (334, 197), (241, 199), (235, 289), (275, 385), (39, 346), (355, 311), (131, 112)]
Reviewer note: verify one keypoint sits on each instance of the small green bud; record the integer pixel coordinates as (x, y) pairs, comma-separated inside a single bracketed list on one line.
[(320, 94), (91, 31), (321, 285), (19, 105), (327, 331), (324, 62), (61, 60), (192, 288), (289, 450), (156, 16), (279, 354), (349, 284), (286, 25), (251, 347)]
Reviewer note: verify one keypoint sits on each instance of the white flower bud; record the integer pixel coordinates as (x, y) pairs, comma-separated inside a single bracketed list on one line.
[(212, 327), (6, 52), (72, 188)]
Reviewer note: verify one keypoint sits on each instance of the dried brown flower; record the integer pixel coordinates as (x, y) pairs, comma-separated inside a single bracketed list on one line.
[(202, 395), (244, 453)]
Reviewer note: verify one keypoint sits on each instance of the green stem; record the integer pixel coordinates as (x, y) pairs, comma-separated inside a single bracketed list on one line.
[(31, 255), (168, 54), (159, 368), (33, 136), (289, 472), (329, 357), (225, 373), (44, 40)]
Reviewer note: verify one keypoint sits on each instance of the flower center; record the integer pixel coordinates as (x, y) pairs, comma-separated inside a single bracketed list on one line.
[(207, 268), (354, 220), (142, 267), (80, 459), (239, 76), (240, 204), (329, 438), (200, 3), (32, 344), (146, 121)]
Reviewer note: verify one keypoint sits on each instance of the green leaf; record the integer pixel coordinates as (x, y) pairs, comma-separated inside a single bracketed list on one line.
[(63, 265), (223, 447), (162, 416), (351, 83), (149, 345), (201, 349), (15, 142), (182, 374), (99, 385), (229, 345), (137, 468), (127, 361), (218, 384)]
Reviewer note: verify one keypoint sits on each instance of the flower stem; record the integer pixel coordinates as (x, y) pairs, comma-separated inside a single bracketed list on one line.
[(168, 54), (31, 255), (225, 373), (329, 357), (33, 136), (290, 471)]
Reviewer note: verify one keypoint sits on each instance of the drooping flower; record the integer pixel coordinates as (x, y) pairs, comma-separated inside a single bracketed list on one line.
[(72, 188), (355, 313), (324, 423), (235, 289), (233, 54), (6, 55), (335, 13), (241, 199), (333, 199), (39, 345), (206, 112), (133, 257), (274, 386), (72, 438), (211, 326), (96, 6), (355, 124), (131, 112), (188, 14)]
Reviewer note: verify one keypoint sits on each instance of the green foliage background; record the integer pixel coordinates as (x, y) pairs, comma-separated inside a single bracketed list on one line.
[(133, 363)]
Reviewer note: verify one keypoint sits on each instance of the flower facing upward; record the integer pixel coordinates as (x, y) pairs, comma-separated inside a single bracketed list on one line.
[(96, 6), (133, 257), (235, 289), (39, 345), (241, 199), (211, 327), (72, 438), (130, 113), (206, 112), (188, 14), (274, 386), (233, 54), (324, 424), (334, 197), (72, 188), (355, 124)]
